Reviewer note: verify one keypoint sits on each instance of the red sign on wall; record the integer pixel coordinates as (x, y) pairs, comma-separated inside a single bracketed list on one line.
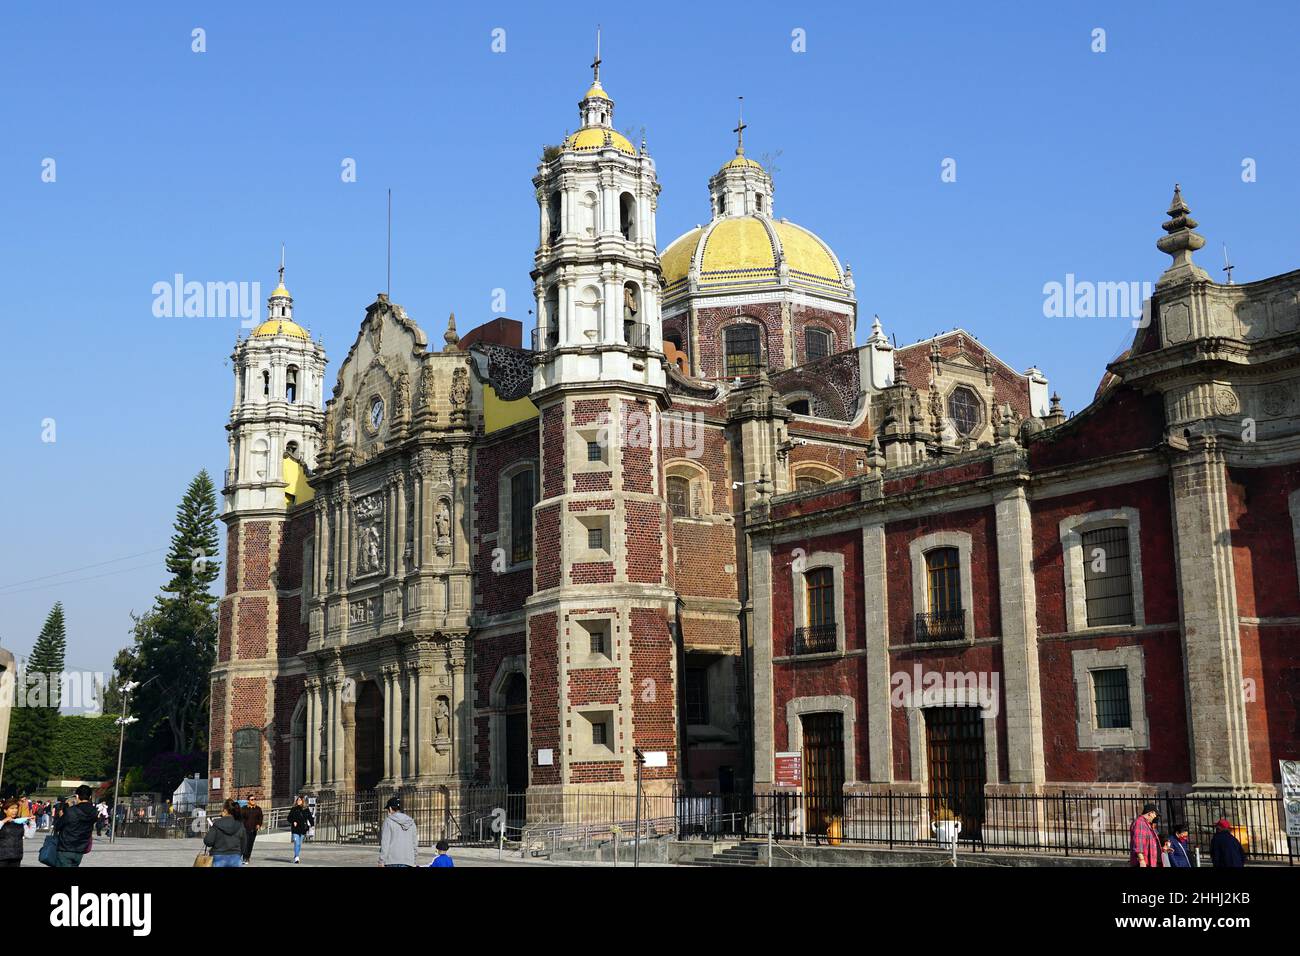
[(789, 769)]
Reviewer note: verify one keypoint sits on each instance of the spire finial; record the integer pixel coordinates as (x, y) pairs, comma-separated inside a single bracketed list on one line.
[(282, 265), (1181, 241), (595, 64), (740, 128), (450, 336)]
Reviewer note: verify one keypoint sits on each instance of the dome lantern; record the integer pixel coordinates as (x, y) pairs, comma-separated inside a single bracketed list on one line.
[(742, 187)]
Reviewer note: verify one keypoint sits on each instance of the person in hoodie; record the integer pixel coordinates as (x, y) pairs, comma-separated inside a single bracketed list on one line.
[(226, 837), (1225, 849), (398, 838), (75, 827)]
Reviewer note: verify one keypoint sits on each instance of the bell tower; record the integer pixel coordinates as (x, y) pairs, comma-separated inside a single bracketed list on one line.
[(601, 645)]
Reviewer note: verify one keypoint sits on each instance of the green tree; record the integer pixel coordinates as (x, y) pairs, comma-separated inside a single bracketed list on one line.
[(176, 640), (35, 718)]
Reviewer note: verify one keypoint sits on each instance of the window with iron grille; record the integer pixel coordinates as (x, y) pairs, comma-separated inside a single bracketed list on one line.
[(679, 497), (742, 349), (598, 637), (595, 452), (1107, 583), (943, 575), (697, 695), (521, 516), (595, 538), (965, 410), (248, 757), (600, 733), (816, 344), (821, 597), (1110, 692)]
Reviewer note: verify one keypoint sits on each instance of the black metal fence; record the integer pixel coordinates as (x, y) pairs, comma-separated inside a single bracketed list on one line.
[(1064, 823)]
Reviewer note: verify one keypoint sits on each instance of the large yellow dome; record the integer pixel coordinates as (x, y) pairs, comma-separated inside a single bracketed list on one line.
[(746, 251), (280, 327), (592, 138)]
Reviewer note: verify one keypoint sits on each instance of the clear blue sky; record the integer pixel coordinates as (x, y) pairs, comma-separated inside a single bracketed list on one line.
[(170, 161)]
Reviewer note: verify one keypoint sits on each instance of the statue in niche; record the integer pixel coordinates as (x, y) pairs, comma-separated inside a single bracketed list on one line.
[(441, 717), (459, 387), (631, 305), (443, 520), (371, 550), (402, 396)]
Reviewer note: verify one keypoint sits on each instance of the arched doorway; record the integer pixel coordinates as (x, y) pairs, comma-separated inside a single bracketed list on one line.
[(516, 694), (369, 730)]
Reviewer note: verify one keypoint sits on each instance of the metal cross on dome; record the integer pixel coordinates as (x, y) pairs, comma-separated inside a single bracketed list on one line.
[(740, 128)]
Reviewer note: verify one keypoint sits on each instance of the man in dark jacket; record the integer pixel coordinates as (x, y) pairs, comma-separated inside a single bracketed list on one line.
[(1226, 849), (252, 823), (75, 826)]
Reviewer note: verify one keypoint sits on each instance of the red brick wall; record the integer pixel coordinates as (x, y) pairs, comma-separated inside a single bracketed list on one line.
[(592, 572), (701, 553), (553, 450), (546, 550), (593, 685), (638, 458), (1125, 421), (248, 709), (498, 592), (980, 524), (225, 628), (653, 692), (1159, 574), (645, 542), (1270, 657), (706, 446), (1263, 544), (710, 327), (489, 652), (1167, 760), (602, 771), (256, 554), (217, 740), (232, 557), (804, 317), (847, 544), (253, 622), (543, 696)]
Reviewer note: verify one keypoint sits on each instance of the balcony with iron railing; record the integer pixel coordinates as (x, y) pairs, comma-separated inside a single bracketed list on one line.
[(815, 639), (949, 625), (637, 336)]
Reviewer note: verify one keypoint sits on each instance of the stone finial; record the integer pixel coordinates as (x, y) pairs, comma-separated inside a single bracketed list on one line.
[(1181, 241), (900, 371), (1055, 414), (763, 486), (875, 457), (450, 336), (877, 331)]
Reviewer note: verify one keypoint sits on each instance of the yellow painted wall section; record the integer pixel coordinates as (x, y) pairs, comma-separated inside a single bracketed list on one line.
[(299, 490), (499, 413)]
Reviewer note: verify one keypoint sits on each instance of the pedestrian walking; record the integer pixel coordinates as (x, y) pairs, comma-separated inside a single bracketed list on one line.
[(1178, 855), (252, 823), (1144, 845), (12, 830), (300, 821), (75, 828), (101, 817), (226, 837), (444, 857), (1225, 849), (398, 838)]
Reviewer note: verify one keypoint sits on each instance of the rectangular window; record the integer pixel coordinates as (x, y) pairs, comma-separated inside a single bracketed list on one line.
[(679, 497), (821, 597), (595, 452), (697, 695), (1110, 692), (742, 351), (522, 499), (943, 574), (1107, 582), (596, 539), (597, 637), (600, 733), (817, 344)]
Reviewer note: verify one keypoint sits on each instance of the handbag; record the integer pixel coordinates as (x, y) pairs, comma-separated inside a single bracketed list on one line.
[(203, 859), (49, 854)]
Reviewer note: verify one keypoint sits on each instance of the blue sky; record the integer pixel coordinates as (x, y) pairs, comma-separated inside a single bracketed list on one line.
[(170, 161)]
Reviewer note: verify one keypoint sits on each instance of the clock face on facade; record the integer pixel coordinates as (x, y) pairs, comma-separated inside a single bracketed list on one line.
[(376, 412)]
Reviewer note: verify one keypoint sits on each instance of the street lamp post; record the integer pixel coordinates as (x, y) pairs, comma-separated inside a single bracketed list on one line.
[(636, 847), (122, 723)]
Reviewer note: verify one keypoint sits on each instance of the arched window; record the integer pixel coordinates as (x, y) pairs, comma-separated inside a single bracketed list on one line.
[(522, 498), (679, 496), (799, 407), (291, 384), (627, 216), (743, 354), (266, 384), (553, 217), (816, 344)]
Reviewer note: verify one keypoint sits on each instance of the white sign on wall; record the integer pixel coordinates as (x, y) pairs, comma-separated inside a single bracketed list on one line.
[(216, 783), (545, 758), (656, 758), (1291, 796)]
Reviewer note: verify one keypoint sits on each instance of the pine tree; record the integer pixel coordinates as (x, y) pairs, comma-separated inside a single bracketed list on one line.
[(48, 654), (176, 640)]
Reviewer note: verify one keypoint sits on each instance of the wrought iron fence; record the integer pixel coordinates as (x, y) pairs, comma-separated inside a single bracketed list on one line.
[(815, 639), (941, 626), (1065, 823)]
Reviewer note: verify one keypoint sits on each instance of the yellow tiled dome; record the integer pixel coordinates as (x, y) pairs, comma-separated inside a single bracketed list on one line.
[(598, 91), (743, 161), (280, 327), (593, 138), (745, 251)]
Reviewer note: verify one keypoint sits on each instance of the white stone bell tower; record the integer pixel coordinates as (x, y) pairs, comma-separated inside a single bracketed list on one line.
[(596, 272), (279, 373)]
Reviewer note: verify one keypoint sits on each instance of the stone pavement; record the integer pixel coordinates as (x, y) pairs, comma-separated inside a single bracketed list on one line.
[(142, 852)]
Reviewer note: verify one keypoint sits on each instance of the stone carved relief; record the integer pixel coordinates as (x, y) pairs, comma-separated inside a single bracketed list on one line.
[(1226, 402), (1277, 399), (369, 512), (402, 397)]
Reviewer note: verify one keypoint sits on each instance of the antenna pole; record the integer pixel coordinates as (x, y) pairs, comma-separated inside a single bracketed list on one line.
[(390, 244)]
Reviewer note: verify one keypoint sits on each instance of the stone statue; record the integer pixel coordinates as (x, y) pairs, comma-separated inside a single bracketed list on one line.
[(402, 396), (370, 549), (441, 718), (630, 305), (443, 520)]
